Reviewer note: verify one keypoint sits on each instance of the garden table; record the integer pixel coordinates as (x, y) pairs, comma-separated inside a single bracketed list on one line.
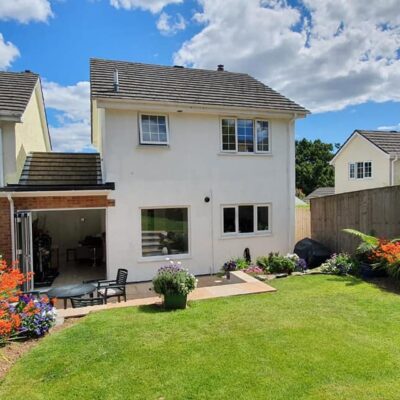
[(68, 291)]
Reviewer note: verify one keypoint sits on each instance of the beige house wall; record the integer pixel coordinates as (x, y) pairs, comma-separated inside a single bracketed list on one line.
[(31, 134), (360, 149)]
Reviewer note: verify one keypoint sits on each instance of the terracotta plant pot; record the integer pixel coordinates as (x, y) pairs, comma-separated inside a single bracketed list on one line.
[(175, 301)]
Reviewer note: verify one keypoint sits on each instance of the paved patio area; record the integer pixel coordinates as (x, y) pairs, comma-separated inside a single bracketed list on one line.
[(208, 287)]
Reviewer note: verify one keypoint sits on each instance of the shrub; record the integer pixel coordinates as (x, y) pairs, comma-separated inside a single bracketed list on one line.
[(241, 263), (281, 264), (173, 279), (277, 264), (300, 263), (339, 264), (264, 261), (387, 256)]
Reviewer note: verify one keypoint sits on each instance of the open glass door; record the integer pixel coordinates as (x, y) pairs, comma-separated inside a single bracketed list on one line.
[(23, 245)]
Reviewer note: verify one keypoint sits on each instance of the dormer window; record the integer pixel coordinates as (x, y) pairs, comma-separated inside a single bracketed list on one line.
[(154, 129), (245, 135)]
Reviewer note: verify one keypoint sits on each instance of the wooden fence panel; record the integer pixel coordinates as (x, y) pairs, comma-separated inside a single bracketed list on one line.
[(372, 211), (303, 223)]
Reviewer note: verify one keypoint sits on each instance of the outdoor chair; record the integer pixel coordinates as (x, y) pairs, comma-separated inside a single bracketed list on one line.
[(78, 302), (113, 288)]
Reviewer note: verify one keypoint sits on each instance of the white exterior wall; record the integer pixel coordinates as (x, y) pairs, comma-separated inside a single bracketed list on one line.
[(183, 174), (360, 149)]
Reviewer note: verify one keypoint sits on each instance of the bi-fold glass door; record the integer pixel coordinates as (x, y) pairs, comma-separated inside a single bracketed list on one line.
[(23, 245)]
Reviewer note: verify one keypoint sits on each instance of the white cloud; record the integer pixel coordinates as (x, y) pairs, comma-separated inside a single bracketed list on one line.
[(71, 137), (335, 54), (8, 53), (25, 11), (72, 106), (154, 6), (390, 128), (169, 26)]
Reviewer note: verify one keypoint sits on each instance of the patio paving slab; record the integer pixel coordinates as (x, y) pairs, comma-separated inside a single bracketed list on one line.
[(247, 285)]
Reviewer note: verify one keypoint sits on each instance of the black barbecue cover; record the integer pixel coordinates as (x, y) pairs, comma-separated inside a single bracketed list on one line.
[(312, 251)]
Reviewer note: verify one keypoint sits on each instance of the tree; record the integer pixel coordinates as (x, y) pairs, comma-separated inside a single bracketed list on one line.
[(312, 165)]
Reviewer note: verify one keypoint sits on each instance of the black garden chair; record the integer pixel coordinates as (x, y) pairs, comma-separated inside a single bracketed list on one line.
[(113, 288), (78, 302)]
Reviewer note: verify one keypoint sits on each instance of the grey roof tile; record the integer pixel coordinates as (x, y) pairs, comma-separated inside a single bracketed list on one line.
[(158, 83), (320, 192), (61, 169), (15, 91), (389, 142)]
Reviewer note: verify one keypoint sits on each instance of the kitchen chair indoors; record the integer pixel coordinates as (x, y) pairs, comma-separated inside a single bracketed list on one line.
[(78, 302), (114, 288)]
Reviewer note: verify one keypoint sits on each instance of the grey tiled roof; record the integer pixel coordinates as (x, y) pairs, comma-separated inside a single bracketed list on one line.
[(61, 169), (158, 83), (320, 192), (389, 142), (15, 91)]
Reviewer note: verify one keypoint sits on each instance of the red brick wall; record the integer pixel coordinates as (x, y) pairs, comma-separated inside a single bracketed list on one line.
[(39, 203), (5, 229)]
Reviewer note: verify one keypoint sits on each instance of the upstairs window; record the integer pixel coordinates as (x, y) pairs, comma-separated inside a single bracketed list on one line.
[(153, 129), (360, 170), (245, 135)]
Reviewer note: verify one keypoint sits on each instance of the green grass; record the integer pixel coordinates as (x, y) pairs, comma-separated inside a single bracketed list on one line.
[(318, 337)]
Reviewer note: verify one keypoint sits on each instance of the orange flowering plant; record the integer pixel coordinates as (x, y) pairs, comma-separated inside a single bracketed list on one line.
[(21, 315), (387, 255)]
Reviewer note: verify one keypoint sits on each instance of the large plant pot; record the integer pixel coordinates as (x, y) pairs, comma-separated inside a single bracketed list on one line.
[(175, 301)]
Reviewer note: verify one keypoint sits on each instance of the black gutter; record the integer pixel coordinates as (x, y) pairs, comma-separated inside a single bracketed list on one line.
[(54, 188)]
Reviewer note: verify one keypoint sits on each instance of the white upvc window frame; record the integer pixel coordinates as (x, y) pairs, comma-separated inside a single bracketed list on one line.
[(150, 142), (221, 136), (255, 149), (355, 163), (255, 136), (372, 171), (255, 232), (186, 255)]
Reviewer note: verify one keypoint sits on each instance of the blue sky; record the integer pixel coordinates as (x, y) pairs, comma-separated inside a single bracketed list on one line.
[(343, 65)]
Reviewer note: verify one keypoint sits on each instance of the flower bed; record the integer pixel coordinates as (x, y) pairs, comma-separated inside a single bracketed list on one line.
[(21, 316)]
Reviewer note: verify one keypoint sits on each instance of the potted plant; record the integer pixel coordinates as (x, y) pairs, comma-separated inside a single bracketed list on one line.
[(174, 283)]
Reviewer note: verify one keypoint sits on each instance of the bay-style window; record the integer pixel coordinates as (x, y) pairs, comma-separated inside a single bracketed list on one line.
[(165, 231), (154, 129), (360, 170), (246, 219), (245, 135)]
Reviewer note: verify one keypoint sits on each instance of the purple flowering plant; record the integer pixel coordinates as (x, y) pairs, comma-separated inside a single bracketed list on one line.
[(174, 279), (37, 315)]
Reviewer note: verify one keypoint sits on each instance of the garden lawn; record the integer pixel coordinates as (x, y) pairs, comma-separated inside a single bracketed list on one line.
[(318, 337)]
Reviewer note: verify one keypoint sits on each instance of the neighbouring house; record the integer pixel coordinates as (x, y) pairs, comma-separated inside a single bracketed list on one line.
[(194, 165), (23, 124), (320, 192), (368, 159)]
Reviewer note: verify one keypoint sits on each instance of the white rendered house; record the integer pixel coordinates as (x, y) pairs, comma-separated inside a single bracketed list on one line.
[(368, 159), (202, 161)]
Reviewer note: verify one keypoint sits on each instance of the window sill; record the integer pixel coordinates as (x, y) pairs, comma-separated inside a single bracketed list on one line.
[(171, 257), (245, 235), (153, 145), (227, 153)]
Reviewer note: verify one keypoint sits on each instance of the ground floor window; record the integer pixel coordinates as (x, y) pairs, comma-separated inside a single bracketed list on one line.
[(245, 219), (165, 231)]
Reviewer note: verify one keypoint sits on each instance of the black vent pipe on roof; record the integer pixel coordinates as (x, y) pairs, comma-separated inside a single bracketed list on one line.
[(220, 67)]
